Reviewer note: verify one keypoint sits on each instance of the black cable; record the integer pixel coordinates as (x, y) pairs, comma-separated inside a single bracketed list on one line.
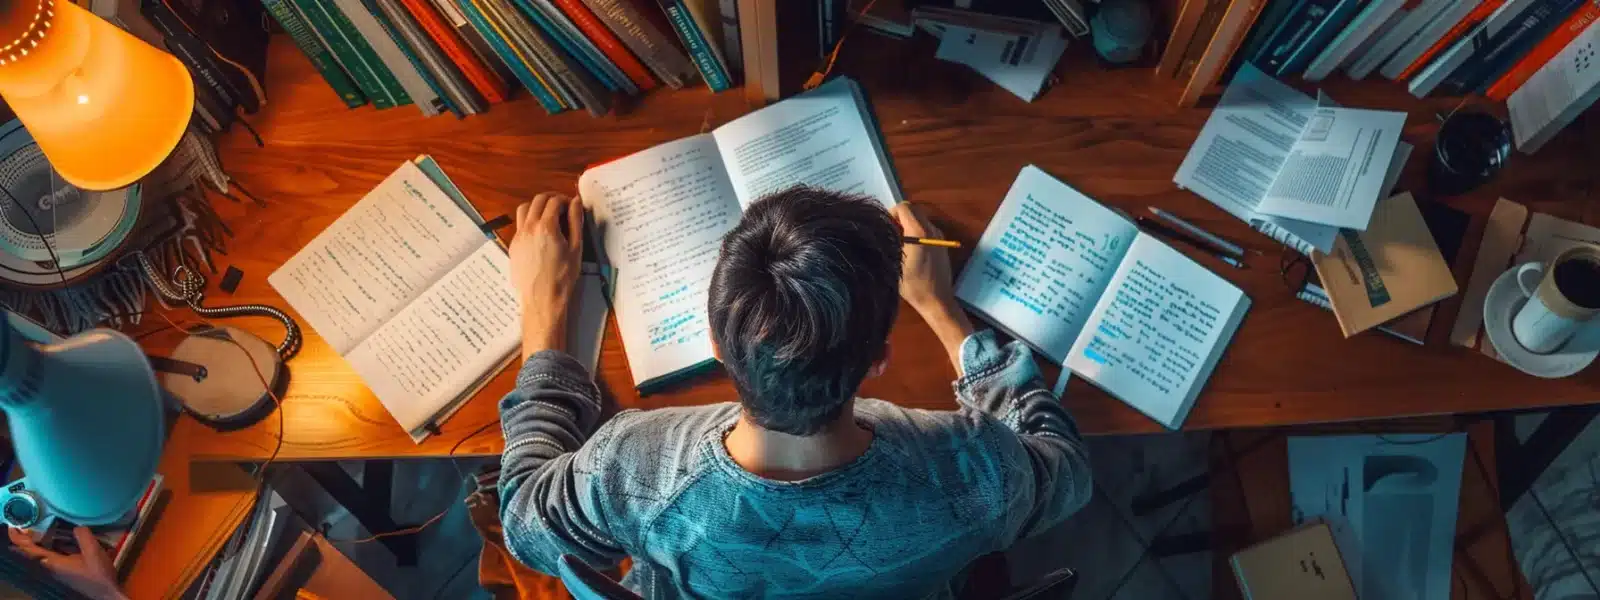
[(1385, 439), (48, 247)]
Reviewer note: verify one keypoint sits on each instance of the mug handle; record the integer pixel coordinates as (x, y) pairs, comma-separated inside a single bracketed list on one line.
[(1527, 284)]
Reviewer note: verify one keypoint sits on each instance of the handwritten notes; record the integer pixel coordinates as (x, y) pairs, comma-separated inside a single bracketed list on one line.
[(819, 138), (1156, 334), (376, 258), (1044, 261), (457, 330), (662, 214)]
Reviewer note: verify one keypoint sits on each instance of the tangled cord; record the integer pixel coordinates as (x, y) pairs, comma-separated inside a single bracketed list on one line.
[(190, 291)]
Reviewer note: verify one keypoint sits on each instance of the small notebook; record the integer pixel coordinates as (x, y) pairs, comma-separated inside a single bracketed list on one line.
[(1303, 564), (408, 288), (660, 214), (1083, 286), (1393, 268)]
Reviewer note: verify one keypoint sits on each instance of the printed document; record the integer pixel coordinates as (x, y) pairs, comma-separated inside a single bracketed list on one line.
[(1336, 169)]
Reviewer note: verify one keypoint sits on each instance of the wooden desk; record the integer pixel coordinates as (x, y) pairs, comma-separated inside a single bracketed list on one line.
[(957, 142)]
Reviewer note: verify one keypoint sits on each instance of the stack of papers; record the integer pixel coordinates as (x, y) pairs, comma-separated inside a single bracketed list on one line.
[(1296, 168), (1016, 54)]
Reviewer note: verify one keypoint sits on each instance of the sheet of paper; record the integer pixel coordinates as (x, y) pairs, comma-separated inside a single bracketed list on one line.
[(1241, 148), (662, 214), (1020, 63), (431, 352), (821, 138), (378, 256), (1335, 170), (1044, 261), (1391, 502), (1158, 331)]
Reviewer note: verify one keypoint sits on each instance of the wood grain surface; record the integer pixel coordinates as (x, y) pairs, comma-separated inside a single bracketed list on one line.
[(957, 142)]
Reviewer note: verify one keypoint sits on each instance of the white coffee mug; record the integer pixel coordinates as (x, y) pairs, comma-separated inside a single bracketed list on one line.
[(1551, 317)]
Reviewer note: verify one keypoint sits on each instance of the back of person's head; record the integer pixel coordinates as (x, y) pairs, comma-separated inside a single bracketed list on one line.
[(802, 300)]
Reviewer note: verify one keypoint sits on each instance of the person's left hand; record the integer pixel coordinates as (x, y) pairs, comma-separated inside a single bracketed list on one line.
[(89, 573), (545, 263)]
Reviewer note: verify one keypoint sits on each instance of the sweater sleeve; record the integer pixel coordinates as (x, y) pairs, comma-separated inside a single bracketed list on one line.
[(548, 507), (1048, 477)]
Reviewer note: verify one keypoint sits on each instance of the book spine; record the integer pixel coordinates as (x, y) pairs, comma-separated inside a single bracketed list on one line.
[(193, 52), (1366, 24), (1260, 34), (1431, 32), (1473, 19), (364, 52), (607, 43), (440, 100), (235, 36), (1332, 23), (319, 55), (1550, 100), (573, 48), (455, 18), (1411, 19), (516, 35), (695, 41), (1486, 67), (590, 92), (1272, 54), (403, 78), (519, 68), (360, 70), (479, 76), (645, 40), (732, 45), (1546, 49), (1475, 43)]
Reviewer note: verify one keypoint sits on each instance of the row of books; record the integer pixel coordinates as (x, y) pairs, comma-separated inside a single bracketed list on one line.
[(1455, 47), (461, 56)]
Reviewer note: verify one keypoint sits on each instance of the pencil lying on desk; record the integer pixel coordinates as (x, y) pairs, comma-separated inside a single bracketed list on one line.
[(931, 242)]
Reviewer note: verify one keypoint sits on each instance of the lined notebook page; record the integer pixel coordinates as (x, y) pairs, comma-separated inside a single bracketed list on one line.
[(431, 352), (1044, 261), (1158, 331), (376, 258), (661, 215)]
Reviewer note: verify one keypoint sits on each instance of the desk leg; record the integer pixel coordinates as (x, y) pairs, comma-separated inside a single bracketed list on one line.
[(369, 504)]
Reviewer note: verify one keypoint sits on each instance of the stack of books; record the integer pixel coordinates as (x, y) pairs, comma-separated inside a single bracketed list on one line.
[(1450, 47), (462, 56)]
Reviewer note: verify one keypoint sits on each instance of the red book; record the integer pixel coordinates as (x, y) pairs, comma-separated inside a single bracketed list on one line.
[(1472, 20), (1542, 53), (489, 85), (607, 43)]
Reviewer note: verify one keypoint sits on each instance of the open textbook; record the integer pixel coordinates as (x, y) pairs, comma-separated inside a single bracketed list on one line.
[(661, 213), (1295, 168), (1120, 308), (408, 288)]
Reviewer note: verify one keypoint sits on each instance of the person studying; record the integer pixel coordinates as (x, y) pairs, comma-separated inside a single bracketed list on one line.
[(660, 213), (1082, 285)]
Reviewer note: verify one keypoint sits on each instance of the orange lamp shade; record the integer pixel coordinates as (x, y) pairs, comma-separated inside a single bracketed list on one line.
[(105, 107)]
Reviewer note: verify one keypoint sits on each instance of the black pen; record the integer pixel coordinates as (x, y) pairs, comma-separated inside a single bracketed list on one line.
[(1161, 229)]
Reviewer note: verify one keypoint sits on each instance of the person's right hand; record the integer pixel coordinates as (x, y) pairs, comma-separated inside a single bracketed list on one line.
[(89, 573), (925, 282), (545, 263)]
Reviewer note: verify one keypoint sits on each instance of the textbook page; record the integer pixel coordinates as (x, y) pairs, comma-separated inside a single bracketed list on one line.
[(1043, 262), (376, 258), (1157, 333), (436, 348), (660, 215), (823, 138), (1335, 171), (1241, 149)]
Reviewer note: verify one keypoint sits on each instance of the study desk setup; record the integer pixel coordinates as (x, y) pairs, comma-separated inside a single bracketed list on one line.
[(1102, 176)]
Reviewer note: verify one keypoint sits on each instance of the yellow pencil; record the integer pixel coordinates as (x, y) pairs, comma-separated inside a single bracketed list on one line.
[(931, 242)]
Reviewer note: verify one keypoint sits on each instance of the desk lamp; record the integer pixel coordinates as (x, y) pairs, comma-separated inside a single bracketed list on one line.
[(86, 420), (105, 107), (85, 414)]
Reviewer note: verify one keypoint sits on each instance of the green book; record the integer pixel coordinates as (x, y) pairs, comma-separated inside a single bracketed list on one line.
[(353, 52), (319, 55)]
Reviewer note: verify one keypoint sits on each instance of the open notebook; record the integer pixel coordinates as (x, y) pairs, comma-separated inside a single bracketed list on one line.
[(661, 213), (408, 288), (1082, 285)]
